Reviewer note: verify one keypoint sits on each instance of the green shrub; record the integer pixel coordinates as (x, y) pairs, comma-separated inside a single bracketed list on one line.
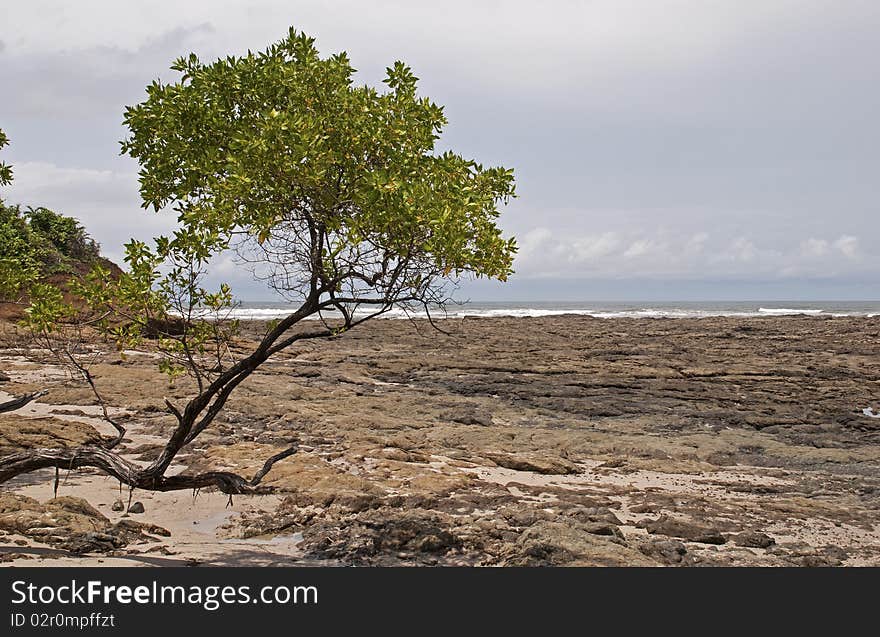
[(36, 244)]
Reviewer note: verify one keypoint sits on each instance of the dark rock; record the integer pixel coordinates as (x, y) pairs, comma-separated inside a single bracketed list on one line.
[(681, 529), (467, 417), (753, 539), (374, 534), (602, 528), (594, 514), (557, 544), (137, 507), (665, 551), (817, 561), (536, 463), (523, 517), (836, 553), (91, 542), (431, 543), (162, 327), (134, 528)]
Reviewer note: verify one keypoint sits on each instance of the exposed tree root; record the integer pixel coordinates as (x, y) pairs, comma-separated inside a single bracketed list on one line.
[(134, 476)]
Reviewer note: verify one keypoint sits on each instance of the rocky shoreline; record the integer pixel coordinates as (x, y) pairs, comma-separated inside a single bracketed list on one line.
[(562, 440)]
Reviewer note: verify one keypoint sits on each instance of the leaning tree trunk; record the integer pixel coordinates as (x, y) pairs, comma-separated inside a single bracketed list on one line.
[(192, 421), (128, 473)]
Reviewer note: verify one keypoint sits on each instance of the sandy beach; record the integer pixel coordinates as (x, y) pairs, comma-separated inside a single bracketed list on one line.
[(564, 440)]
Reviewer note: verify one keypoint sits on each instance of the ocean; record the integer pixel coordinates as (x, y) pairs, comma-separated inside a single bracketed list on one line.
[(599, 309)]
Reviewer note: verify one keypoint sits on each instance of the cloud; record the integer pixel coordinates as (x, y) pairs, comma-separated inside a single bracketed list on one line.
[(105, 202), (95, 82), (701, 255), (640, 248), (814, 247), (689, 139), (848, 246)]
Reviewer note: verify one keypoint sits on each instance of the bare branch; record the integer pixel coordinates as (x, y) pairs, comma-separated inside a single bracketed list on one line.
[(21, 401), (131, 474)]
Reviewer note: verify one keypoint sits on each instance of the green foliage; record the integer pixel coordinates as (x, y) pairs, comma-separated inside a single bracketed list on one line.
[(38, 243), (19, 265), (64, 235), (128, 308), (282, 142), (47, 308), (5, 169), (335, 189)]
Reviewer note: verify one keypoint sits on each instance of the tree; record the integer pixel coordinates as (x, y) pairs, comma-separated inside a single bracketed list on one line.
[(36, 244), (19, 266), (16, 265), (332, 193)]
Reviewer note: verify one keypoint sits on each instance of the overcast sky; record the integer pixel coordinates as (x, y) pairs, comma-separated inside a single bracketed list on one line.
[(691, 149)]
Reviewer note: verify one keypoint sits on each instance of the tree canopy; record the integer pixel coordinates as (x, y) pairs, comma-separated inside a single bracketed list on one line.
[(330, 187)]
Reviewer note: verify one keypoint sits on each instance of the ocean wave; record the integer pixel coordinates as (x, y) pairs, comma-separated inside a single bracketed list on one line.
[(268, 313), (784, 311)]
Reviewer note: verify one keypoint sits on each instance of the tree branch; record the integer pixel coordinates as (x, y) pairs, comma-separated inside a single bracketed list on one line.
[(131, 474), (21, 401)]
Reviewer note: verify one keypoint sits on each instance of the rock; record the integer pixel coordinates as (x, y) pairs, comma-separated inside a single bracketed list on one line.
[(570, 544), (602, 528), (643, 508), (17, 433), (835, 553), (91, 542), (164, 550), (665, 551), (156, 327), (378, 533), (818, 561), (137, 507), (393, 453), (569, 389), (753, 539), (537, 463), (67, 523), (594, 514), (118, 505), (4, 378), (136, 530), (665, 525), (430, 544), (522, 517), (467, 416)]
